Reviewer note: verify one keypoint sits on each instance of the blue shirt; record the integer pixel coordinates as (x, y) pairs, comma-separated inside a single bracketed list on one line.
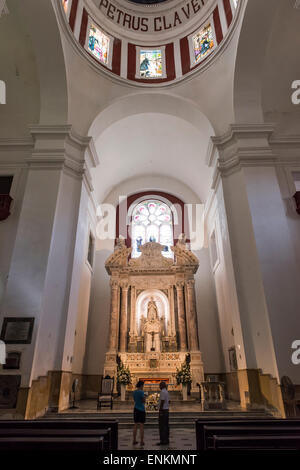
[(138, 396)]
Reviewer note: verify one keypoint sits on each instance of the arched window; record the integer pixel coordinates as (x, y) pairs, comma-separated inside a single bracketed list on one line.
[(152, 221)]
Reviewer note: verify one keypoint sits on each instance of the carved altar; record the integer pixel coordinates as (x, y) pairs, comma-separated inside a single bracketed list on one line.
[(153, 318)]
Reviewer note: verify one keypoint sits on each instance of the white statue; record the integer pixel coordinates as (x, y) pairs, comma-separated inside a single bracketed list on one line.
[(152, 328)]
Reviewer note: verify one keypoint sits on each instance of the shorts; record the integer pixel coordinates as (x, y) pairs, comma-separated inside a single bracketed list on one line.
[(139, 416)]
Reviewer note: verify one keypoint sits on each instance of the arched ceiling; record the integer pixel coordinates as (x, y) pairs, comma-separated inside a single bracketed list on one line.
[(33, 64), (152, 144), (258, 16), (281, 68), (19, 71), (264, 74)]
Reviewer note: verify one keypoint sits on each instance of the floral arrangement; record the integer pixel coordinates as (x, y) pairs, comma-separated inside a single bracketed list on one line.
[(123, 374), (183, 375), (152, 402)]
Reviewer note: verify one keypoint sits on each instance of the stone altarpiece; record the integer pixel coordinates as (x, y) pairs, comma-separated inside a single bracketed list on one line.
[(153, 317)]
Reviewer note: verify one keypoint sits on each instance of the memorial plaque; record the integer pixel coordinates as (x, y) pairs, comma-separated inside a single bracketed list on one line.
[(16, 330), (9, 387), (232, 359)]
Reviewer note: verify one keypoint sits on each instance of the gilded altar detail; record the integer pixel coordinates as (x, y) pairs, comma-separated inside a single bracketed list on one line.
[(153, 318)]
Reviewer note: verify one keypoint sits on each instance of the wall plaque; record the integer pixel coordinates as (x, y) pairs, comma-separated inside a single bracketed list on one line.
[(17, 330), (12, 360)]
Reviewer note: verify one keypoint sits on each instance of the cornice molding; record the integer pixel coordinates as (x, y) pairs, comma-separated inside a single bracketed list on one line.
[(16, 144), (237, 148), (237, 135), (290, 141), (60, 146), (59, 132), (242, 145), (243, 131)]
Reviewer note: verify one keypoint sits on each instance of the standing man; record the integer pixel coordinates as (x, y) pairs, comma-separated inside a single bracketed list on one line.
[(163, 418)]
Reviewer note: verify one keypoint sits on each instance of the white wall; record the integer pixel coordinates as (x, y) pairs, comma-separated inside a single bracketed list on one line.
[(281, 277), (228, 310), (98, 322), (207, 313), (82, 284), (8, 227), (23, 296)]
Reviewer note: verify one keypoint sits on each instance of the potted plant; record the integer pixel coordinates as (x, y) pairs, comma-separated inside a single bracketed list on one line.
[(184, 377), (123, 378)]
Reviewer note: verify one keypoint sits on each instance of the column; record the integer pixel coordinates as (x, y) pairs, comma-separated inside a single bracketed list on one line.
[(259, 252), (123, 318), (133, 331), (172, 312), (114, 316), (192, 316), (181, 316)]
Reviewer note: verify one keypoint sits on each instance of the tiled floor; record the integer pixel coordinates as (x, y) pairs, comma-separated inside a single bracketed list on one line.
[(180, 439)]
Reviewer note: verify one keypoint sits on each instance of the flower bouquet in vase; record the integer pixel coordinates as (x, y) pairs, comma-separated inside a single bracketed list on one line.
[(184, 377), (152, 402), (123, 378)]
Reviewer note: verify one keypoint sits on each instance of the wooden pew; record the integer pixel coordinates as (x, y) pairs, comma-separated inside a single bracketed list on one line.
[(251, 423), (57, 433), (66, 424), (222, 431), (255, 442), (65, 444)]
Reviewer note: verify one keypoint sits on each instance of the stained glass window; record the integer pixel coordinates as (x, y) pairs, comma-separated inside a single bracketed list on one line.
[(152, 222), (151, 63), (98, 44), (65, 5), (203, 42)]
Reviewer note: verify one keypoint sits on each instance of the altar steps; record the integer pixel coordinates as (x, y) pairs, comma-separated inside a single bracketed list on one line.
[(176, 419)]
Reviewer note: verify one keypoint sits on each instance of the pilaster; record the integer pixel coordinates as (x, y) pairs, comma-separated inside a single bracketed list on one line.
[(47, 255), (124, 317), (246, 161), (114, 317), (192, 316), (181, 316)]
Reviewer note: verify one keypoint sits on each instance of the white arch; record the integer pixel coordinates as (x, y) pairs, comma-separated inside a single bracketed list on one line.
[(140, 103), (179, 147)]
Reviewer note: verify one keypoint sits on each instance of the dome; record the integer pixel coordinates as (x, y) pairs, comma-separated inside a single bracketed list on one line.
[(151, 42)]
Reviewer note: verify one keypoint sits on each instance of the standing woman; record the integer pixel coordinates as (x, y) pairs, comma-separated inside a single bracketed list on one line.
[(139, 413)]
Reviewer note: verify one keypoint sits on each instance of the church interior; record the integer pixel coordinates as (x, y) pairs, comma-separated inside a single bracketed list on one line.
[(150, 214)]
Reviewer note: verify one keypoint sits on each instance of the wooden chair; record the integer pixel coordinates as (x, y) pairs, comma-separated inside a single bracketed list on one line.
[(105, 397)]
